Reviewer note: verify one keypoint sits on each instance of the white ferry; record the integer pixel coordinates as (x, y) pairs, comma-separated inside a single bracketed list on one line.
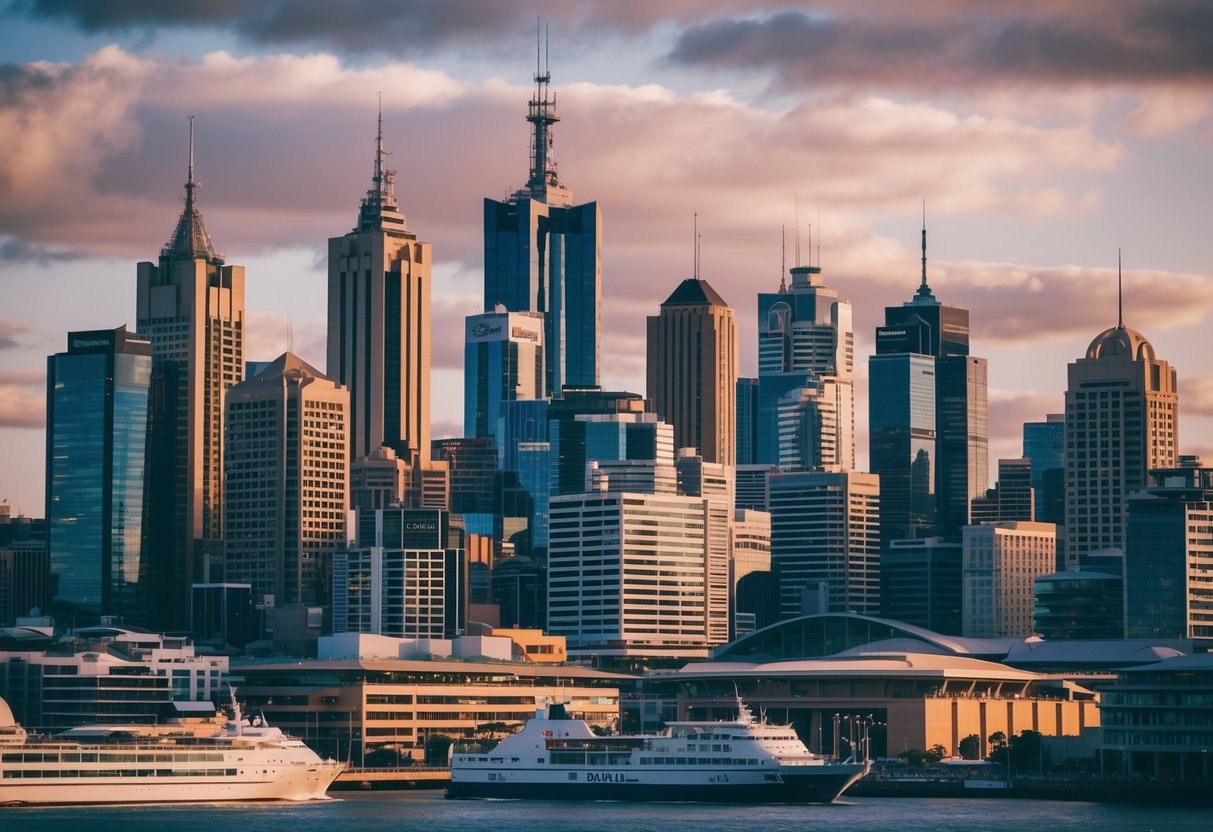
[(187, 761), (744, 761)]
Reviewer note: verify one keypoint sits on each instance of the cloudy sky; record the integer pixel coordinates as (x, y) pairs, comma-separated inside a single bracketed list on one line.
[(1042, 134)]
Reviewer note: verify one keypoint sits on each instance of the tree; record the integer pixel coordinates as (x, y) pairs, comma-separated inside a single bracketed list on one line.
[(970, 747), (1027, 751), (936, 753), (495, 730), (998, 746)]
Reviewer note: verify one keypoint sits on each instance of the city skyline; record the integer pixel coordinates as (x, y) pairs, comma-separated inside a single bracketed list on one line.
[(1030, 185)]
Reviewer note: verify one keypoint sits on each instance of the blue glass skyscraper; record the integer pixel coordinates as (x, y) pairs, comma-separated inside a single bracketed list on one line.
[(543, 254), (96, 433)]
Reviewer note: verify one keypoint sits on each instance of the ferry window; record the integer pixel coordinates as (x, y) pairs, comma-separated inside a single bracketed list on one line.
[(539, 759), (715, 747), (572, 775)]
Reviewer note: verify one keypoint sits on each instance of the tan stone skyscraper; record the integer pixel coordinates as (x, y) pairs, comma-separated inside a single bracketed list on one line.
[(1122, 421), (692, 370), (287, 481), (190, 305), (379, 324)]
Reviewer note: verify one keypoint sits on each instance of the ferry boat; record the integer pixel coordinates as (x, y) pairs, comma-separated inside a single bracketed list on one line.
[(200, 760), (746, 760)]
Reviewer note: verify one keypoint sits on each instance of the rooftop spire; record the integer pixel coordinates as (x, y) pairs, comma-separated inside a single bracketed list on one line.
[(190, 240), (541, 113), (1120, 295), (379, 210), (924, 293), (783, 259)]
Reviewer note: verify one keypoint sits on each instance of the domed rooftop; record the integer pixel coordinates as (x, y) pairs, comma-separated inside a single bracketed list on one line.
[(1121, 342)]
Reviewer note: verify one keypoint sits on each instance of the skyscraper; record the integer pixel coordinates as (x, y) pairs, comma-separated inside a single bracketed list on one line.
[(928, 416), (287, 481), (96, 434), (190, 305), (806, 348), (379, 324), (543, 254), (1122, 421), (1169, 556), (1001, 562), (825, 541), (502, 361), (692, 370), (1044, 443)]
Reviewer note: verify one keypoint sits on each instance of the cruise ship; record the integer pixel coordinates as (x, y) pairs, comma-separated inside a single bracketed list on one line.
[(746, 760), (199, 760)]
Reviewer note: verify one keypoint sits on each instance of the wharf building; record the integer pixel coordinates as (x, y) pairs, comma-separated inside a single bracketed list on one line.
[(1158, 721), (287, 481), (107, 675), (379, 325), (1122, 421), (928, 417), (415, 696), (190, 305), (825, 541), (1001, 563), (692, 370), (838, 676), (806, 365), (1168, 588), (97, 404), (543, 254)]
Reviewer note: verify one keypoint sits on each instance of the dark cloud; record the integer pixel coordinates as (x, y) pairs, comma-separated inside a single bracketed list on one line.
[(14, 251), (1150, 40)]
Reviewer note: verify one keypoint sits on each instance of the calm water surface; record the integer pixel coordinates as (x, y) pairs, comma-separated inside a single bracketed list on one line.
[(428, 812)]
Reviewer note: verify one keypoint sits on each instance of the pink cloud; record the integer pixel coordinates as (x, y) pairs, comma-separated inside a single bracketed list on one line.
[(22, 399)]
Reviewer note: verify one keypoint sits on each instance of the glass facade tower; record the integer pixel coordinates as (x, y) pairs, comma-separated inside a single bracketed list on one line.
[(97, 416)]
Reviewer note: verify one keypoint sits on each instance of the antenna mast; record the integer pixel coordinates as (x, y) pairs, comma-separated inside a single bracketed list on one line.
[(1120, 295)]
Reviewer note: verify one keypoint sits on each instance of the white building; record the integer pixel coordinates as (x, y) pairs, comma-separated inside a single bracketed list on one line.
[(629, 574), (1000, 564)]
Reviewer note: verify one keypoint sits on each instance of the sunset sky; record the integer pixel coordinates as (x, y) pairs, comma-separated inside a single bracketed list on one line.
[(1043, 136)]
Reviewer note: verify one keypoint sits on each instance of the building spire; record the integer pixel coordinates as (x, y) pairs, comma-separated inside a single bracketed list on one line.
[(924, 293), (783, 259), (1120, 294), (379, 210), (541, 113), (190, 240)]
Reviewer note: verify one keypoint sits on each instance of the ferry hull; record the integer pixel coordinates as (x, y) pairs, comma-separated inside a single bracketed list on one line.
[(818, 787), (308, 783)]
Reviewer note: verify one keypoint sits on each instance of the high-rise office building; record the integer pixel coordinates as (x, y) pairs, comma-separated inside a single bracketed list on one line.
[(920, 583), (1168, 587), (713, 481), (1044, 443), (805, 335), (922, 351), (543, 254), (627, 576), (96, 435), (570, 437), (379, 324), (692, 370), (1122, 421), (1001, 563), (825, 541), (190, 305), (406, 578), (753, 599), (747, 421), (502, 361), (1011, 497), (471, 472), (287, 487)]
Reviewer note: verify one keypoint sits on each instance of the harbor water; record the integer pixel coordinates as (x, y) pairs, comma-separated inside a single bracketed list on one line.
[(427, 811)]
